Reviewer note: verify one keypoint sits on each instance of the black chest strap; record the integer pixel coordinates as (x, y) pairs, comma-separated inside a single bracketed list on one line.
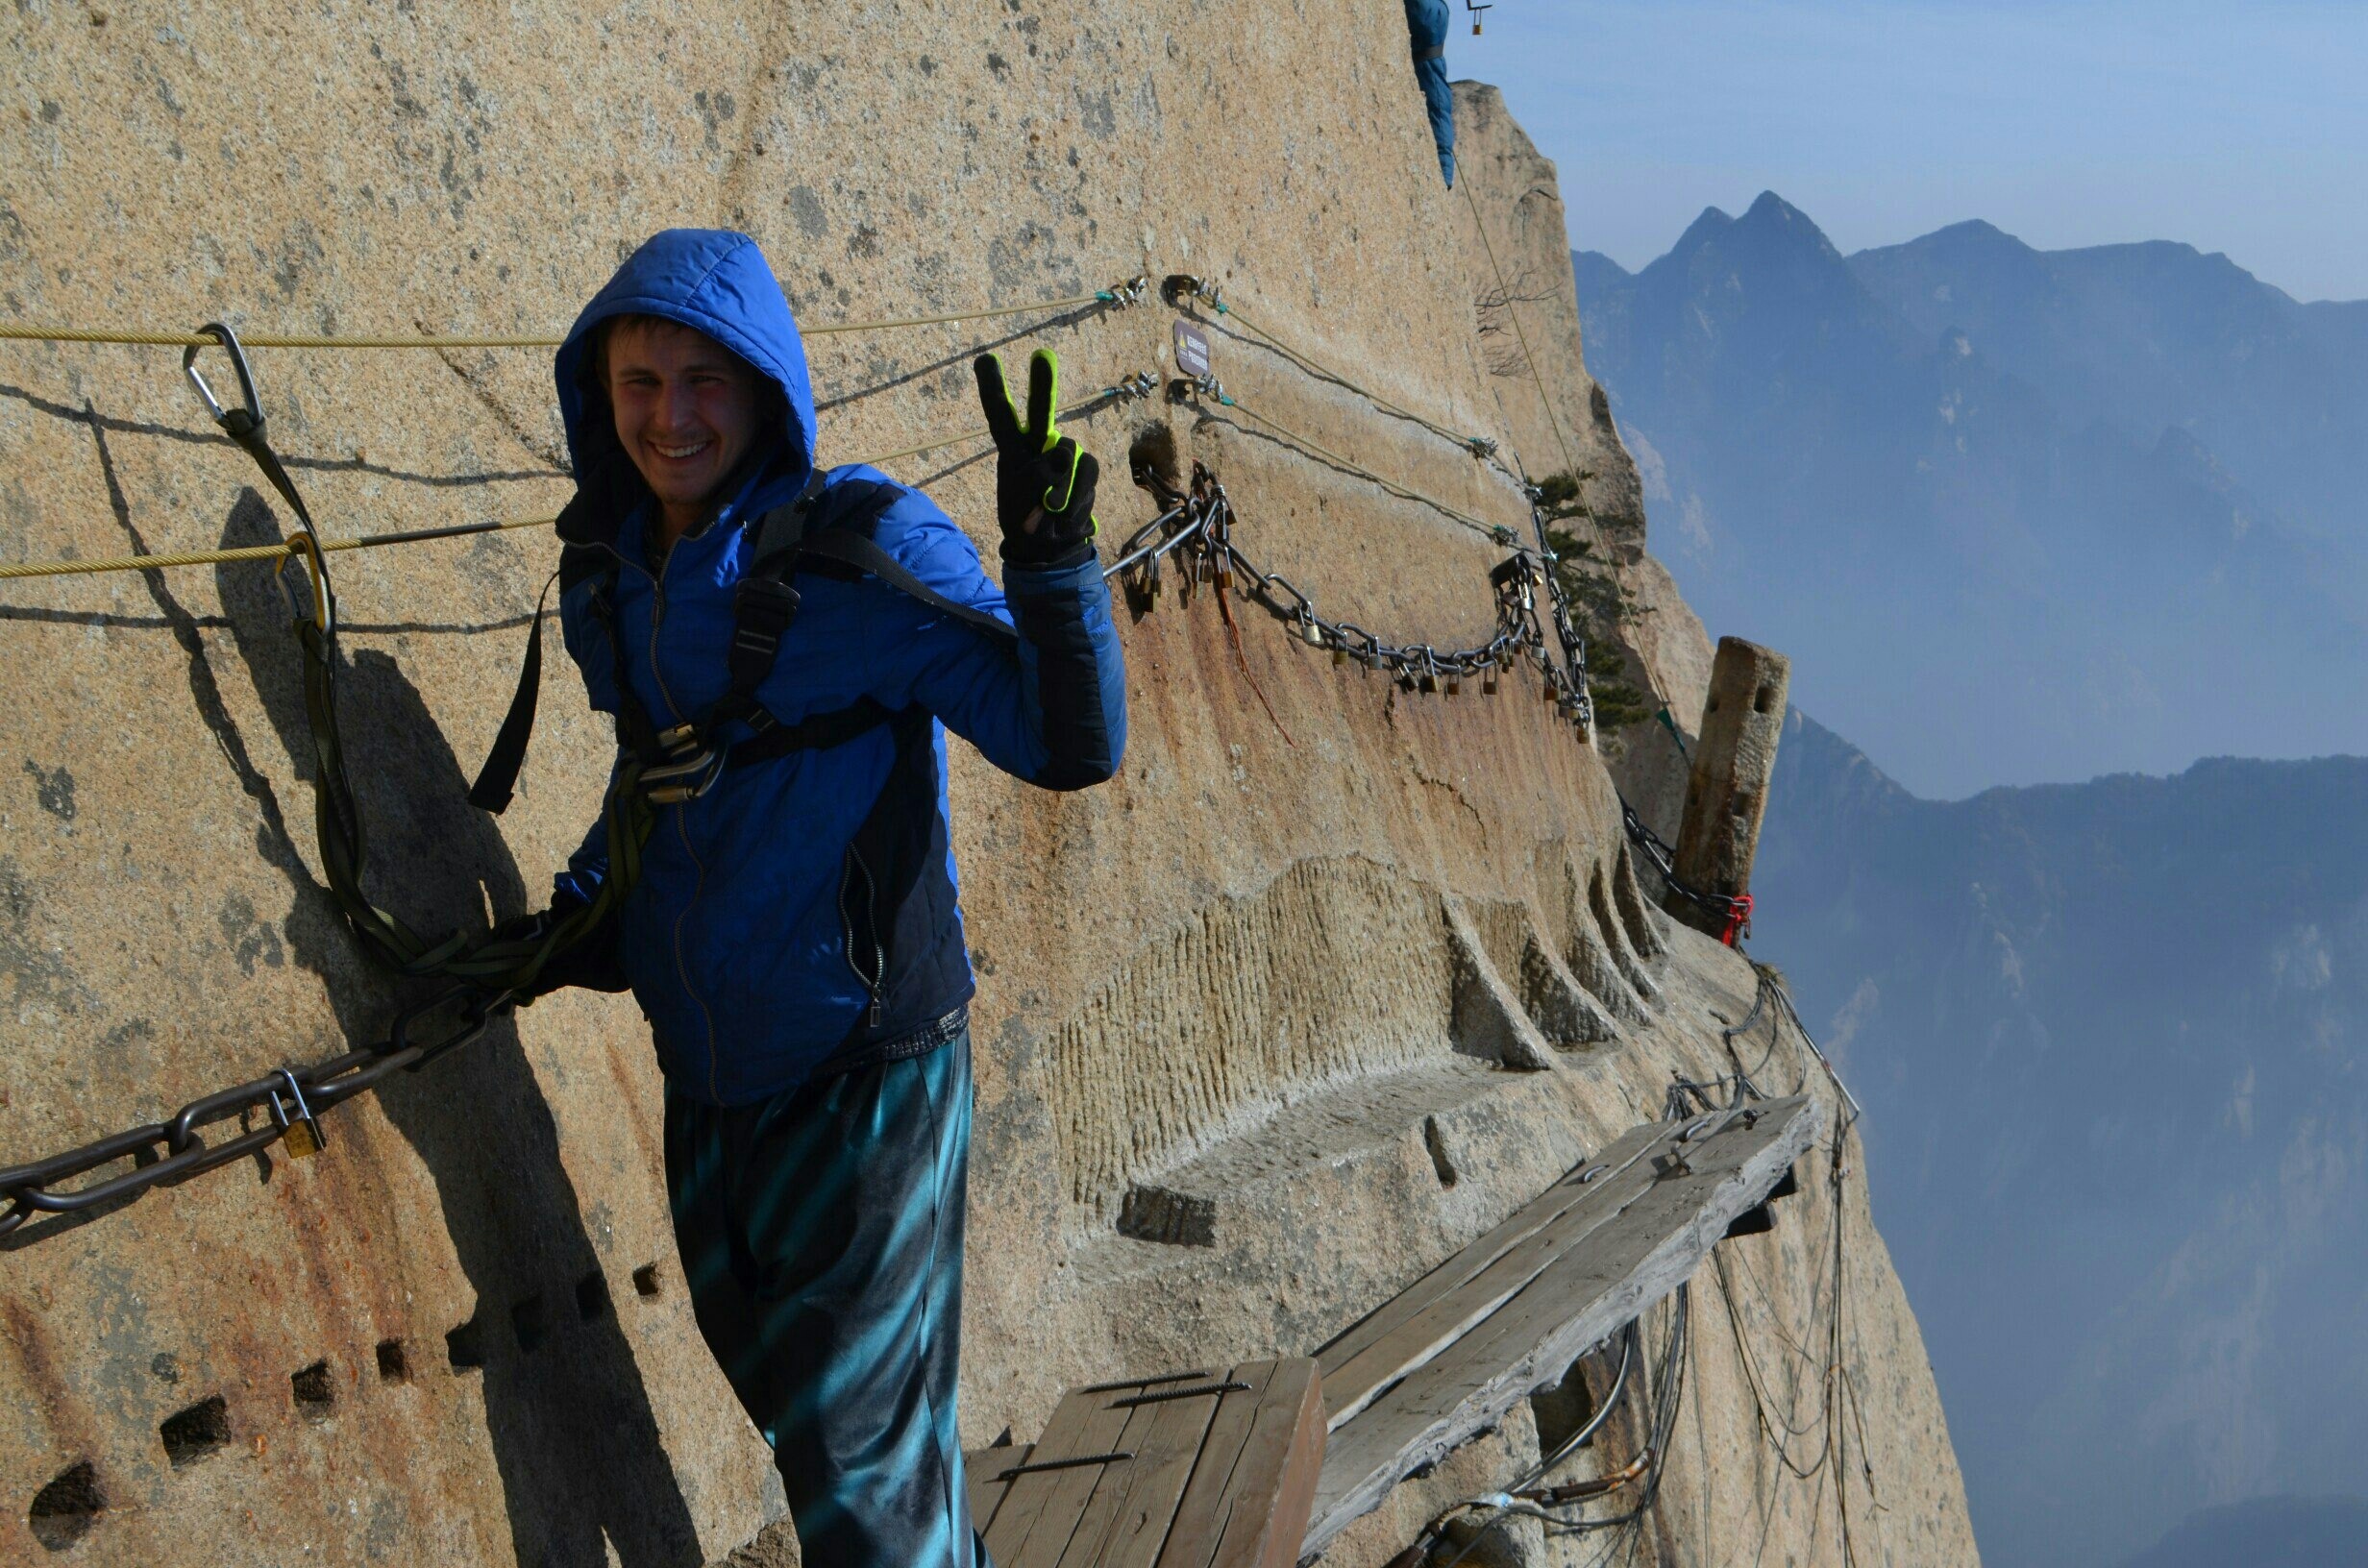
[(825, 524)]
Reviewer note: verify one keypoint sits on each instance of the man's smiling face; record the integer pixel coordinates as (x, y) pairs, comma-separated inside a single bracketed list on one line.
[(687, 409)]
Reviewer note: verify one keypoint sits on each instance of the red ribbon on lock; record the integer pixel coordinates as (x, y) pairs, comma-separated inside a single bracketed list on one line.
[(1738, 919)]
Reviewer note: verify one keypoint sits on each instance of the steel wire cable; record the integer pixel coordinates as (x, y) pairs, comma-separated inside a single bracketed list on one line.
[(1183, 286), (1120, 295), (1135, 387)]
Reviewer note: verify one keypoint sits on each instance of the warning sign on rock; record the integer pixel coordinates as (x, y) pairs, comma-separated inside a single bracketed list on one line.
[(1192, 349)]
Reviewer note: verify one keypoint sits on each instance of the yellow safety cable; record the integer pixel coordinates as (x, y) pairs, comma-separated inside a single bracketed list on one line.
[(266, 552), (255, 552), (39, 334)]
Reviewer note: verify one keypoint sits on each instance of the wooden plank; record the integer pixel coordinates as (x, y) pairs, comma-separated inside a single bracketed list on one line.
[(1429, 1331), (1265, 1508), (1655, 1245), (1247, 1505), (1037, 1519), (981, 1471), (1518, 1227), (1136, 1502), (1198, 1522)]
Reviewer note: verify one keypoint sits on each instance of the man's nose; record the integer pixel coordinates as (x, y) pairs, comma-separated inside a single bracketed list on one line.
[(676, 408)]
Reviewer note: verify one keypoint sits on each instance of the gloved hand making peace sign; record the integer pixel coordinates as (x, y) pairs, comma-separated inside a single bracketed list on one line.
[(1044, 481)]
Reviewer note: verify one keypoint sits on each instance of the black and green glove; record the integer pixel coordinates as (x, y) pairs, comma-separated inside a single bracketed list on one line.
[(1044, 480)]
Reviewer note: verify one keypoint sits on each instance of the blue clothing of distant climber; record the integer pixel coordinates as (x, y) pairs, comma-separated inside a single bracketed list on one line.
[(1426, 20), (805, 637)]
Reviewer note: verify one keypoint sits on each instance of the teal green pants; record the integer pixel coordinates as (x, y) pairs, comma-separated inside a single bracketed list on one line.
[(820, 1232)]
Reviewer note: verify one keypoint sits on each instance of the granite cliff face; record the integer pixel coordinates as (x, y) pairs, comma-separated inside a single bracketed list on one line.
[(1357, 970)]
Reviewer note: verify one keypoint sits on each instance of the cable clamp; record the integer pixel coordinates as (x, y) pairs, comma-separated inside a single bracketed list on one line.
[(1129, 292)]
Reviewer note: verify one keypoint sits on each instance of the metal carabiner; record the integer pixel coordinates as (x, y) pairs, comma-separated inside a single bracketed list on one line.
[(250, 418), (683, 777), (301, 1134)]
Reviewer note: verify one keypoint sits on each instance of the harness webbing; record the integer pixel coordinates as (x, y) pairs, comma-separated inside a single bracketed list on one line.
[(497, 966), (824, 523)]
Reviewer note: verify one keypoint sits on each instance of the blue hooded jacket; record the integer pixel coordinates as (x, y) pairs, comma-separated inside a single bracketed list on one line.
[(801, 917)]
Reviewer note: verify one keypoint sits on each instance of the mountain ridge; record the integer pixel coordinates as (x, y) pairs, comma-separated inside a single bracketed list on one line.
[(2087, 565), (2103, 1032)]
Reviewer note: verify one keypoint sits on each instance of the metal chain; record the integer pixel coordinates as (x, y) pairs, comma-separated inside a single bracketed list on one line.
[(1734, 910), (1197, 529), (290, 1100)]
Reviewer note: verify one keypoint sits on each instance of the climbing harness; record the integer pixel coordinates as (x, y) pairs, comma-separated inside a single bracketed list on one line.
[(824, 525)]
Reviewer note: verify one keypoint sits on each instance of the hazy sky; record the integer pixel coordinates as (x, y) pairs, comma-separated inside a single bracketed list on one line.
[(2240, 128)]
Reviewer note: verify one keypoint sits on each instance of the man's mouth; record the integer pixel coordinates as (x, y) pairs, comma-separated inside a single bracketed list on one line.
[(678, 454)]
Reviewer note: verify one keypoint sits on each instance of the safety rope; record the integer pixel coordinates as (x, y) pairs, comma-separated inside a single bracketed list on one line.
[(1120, 295), (1211, 388), (1138, 385), (258, 552), (501, 966), (1182, 289)]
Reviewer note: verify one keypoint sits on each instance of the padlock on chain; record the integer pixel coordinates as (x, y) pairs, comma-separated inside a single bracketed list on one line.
[(299, 1131)]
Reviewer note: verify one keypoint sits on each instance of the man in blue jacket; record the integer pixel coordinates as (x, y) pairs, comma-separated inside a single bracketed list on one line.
[(780, 646)]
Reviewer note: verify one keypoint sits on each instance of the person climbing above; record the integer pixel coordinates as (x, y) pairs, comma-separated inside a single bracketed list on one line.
[(780, 646), (1427, 25)]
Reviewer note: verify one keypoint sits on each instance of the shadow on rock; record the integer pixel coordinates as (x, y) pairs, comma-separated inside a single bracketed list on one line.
[(578, 1450)]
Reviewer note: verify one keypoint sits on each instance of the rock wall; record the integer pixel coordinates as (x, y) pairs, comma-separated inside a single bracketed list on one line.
[(1527, 314), (1331, 979)]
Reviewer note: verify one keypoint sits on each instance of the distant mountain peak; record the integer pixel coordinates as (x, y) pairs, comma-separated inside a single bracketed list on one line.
[(1775, 225), (1770, 207), (1705, 228)]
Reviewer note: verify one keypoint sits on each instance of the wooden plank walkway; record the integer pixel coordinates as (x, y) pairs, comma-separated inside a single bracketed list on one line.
[(1449, 1356), (1208, 1469)]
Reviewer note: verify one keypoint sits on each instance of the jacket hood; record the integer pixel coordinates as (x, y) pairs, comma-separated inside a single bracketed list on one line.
[(719, 283)]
